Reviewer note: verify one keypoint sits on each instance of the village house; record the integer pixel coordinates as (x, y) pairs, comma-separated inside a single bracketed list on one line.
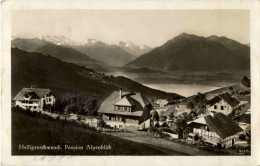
[(216, 129), (161, 103), (126, 110), (34, 98), (223, 103)]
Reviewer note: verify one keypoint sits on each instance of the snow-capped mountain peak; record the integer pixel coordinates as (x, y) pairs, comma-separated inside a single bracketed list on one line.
[(134, 49), (144, 47), (59, 40)]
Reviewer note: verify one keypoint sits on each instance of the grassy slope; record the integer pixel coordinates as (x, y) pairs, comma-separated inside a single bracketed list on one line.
[(37, 130)]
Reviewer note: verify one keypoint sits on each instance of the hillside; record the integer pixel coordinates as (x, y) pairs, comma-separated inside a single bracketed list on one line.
[(58, 51), (238, 48), (37, 130), (44, 71), (109, 54), (192, 53), (66, 54)]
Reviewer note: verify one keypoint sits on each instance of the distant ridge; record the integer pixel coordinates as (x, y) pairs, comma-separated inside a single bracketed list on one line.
[(58, 51), (238, 48), (192, 53), (89, 51)]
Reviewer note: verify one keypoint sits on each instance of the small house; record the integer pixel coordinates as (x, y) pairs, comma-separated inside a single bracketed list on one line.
[(34, 98), (161, 103), (223, 103)]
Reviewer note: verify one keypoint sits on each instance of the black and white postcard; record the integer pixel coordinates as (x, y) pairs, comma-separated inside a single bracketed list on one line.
[(130, 83)]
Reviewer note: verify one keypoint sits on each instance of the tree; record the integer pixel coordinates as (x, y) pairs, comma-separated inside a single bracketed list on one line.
[(58, 106), (68, 110), (201, 108), (101, 123), (171, 115), (154, 115), (245, 81), (44, 107), (179, 127), (190, 104)]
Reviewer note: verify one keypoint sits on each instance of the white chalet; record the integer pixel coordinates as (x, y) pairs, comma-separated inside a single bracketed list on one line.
[(223, 103), (34, 98)]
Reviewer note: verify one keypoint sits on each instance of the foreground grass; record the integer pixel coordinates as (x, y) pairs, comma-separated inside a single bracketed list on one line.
[(36, 129)]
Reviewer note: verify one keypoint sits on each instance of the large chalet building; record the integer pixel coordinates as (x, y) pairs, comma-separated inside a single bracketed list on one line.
[(216, 129), (34, 98), (126, 110), (224, 103)]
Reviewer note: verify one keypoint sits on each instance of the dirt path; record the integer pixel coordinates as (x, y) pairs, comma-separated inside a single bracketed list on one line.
[(169, 147)]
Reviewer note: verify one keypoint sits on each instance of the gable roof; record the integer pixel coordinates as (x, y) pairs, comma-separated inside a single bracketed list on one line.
[(126, 101), (227, 97), (222, 125), (199, 120), (36, 93), (134, 98)]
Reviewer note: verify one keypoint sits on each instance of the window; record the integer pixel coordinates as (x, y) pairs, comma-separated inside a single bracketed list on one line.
[(222, 107), (215, 107), (119, 118)]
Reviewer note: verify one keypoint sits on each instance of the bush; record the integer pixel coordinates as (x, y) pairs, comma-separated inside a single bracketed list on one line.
[(242, 137), (101, 123)]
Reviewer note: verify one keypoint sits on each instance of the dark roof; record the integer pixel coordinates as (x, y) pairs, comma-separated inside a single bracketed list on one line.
[(232, 101), (245, 118), (137, 99), (222, 125), (35, 93)]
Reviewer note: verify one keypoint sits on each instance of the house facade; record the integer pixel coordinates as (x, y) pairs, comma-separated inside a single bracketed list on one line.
[(34, 98), (126, 110), (216, 129), (224, 103)]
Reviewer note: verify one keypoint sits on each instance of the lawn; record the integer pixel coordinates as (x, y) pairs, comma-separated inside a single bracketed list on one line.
[(36, 129)]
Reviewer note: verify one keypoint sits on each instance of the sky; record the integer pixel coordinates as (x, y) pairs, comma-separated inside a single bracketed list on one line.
[(149, 27)]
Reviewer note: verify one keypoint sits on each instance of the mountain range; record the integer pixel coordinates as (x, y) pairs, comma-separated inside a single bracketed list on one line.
[(189, 52), (185, 52), (90, 51), (58, 51), (111, 55)]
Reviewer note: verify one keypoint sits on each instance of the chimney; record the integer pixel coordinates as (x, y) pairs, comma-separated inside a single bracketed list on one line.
[(120, 93)]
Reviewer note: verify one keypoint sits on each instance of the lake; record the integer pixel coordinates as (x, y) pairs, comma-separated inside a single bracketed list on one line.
[(185, 90)]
